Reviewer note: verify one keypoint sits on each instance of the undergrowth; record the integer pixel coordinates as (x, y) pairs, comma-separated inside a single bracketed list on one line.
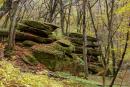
[(13, 77)]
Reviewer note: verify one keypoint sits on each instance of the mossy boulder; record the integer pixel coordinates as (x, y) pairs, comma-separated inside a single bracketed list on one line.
[(42, 26), (21, 36), (32, 30), (64, 42), (59, 57), (90, 51), (53, 26), (29, 59), (55, 55), (47, 49), (64, 45), (28, 43), (78, 35), (48, 55), (77, 66), (79, 42)]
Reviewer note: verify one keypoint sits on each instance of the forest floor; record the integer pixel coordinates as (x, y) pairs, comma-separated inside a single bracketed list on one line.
[(66, 80), (10, 76), (16, 60), (122, 80)]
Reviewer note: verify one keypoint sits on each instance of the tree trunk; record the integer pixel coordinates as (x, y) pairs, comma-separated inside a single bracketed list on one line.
[(121, 61), (85, 40), (12, 26), (62, 16)]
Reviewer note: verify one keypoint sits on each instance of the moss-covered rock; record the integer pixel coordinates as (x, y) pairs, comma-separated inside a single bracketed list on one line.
[(53, 27), (47, 55), (64, 42), (29, 43), (79, 42), (36, 24), (64, 45), (55, 56), (78, 35), (21, 36), (59, 56), (90, 51), (94, 68), (48, 49), (29, 59), (32, 30), (42, 26)]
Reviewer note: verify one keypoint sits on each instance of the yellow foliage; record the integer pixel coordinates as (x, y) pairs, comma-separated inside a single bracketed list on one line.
[(1, 2), (12, 77), (125, 8)]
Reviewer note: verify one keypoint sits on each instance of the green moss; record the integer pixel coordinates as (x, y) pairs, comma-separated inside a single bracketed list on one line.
[(30, 59), (32, 30), (47, 49), (54, 56), (76, 81), (29, 43), (48, 40), (78, 41), (78, 35), (47, 55), (64, 42), (64, 45), (51, 25), (13, 77), (38, 25), (90, 51)]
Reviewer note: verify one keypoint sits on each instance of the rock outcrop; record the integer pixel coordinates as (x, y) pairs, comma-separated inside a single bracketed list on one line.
[(62, 55), (92, 50)]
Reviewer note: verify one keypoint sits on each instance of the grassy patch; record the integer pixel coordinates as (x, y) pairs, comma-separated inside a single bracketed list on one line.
[(12, 77)]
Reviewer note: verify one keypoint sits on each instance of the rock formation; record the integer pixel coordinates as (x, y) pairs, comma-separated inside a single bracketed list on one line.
[(63, 55)]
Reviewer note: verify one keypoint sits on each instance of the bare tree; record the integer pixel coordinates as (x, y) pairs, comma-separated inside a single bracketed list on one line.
[(52, 6), (68, 19), (85, 40), (121, 61), (62, 15), (12, 27)]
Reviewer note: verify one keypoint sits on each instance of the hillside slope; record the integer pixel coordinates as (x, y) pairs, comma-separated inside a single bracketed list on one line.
[(13, 77)]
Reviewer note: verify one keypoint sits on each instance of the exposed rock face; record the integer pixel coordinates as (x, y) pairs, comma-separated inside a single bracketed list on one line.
[(54, 56), (33, 31), (41, 26), (22, 36), (63, 55), (80, 36), (92, 50), (92, 46)]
